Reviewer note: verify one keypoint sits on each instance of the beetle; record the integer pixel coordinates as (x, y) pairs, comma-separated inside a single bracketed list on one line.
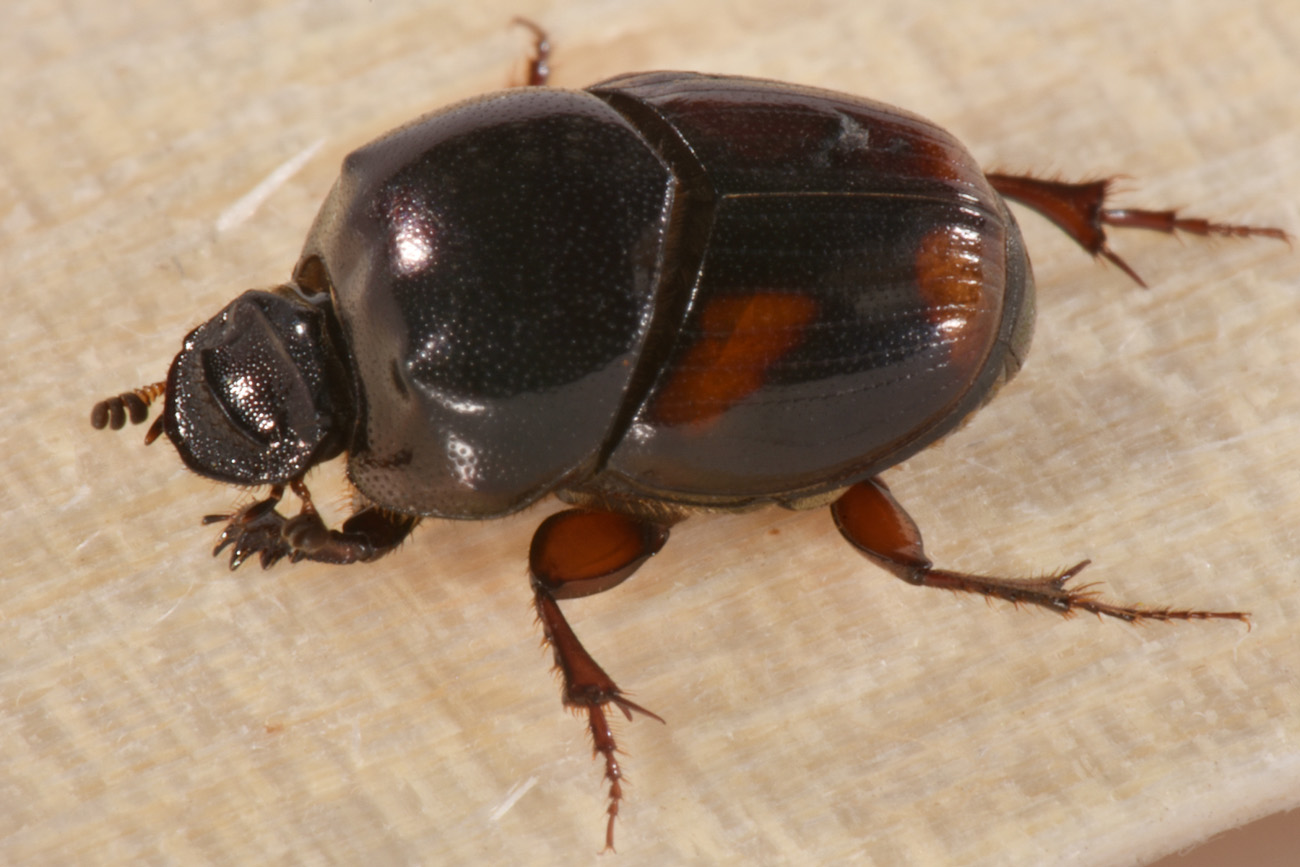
[(665, 293)]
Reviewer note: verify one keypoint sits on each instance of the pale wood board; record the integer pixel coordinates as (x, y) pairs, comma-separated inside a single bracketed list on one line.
[(156, 708)]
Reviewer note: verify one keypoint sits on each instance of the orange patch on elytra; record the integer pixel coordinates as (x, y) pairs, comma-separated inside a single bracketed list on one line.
[(960, 276), (742, 337)]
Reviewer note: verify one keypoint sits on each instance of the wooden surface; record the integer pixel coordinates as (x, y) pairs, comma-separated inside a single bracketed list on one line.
[(156, 708)]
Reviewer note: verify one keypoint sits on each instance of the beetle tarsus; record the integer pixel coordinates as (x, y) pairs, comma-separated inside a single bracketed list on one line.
[(248, 533), (602, 738), (254, 529), (1079, 209), (1169, 222)]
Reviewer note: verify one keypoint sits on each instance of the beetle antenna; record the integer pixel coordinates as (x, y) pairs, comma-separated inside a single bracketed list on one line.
[(134, 405)]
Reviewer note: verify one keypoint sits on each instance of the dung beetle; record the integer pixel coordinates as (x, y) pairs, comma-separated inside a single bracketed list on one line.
[(666, 293)]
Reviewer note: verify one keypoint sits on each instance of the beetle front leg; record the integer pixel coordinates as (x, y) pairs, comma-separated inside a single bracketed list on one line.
[(873, 521), (577, 553), (255, 529), (260, 529), (1080, 211)]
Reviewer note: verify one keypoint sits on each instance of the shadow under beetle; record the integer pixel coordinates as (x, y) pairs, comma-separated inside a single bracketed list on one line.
[(665, 293)]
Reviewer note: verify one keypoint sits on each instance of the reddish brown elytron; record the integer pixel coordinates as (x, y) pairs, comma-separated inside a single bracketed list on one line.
[(743, 336), (664, 293)]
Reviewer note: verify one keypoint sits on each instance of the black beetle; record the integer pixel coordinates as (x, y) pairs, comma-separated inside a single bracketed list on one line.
[(665, 293)]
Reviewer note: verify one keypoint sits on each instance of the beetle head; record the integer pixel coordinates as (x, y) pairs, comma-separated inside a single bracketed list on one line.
[(257, 394)]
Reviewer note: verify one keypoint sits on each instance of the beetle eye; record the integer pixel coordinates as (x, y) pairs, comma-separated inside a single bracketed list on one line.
[(254, 395)]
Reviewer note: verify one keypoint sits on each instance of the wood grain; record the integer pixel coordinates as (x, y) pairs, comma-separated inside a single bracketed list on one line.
[(156, 708)]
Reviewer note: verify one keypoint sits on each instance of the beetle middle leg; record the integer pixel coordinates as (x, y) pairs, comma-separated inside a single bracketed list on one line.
[(260, 529), (575, 553), (1080, 211), (873, 521), (539, 65)]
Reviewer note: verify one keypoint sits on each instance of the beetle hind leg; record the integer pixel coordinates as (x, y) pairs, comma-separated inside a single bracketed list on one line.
[(575, 553), (1080, 211), (876, 524)]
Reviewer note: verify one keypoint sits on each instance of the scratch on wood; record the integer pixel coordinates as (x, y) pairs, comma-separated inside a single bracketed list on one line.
[(246, 205), (512, 798)]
